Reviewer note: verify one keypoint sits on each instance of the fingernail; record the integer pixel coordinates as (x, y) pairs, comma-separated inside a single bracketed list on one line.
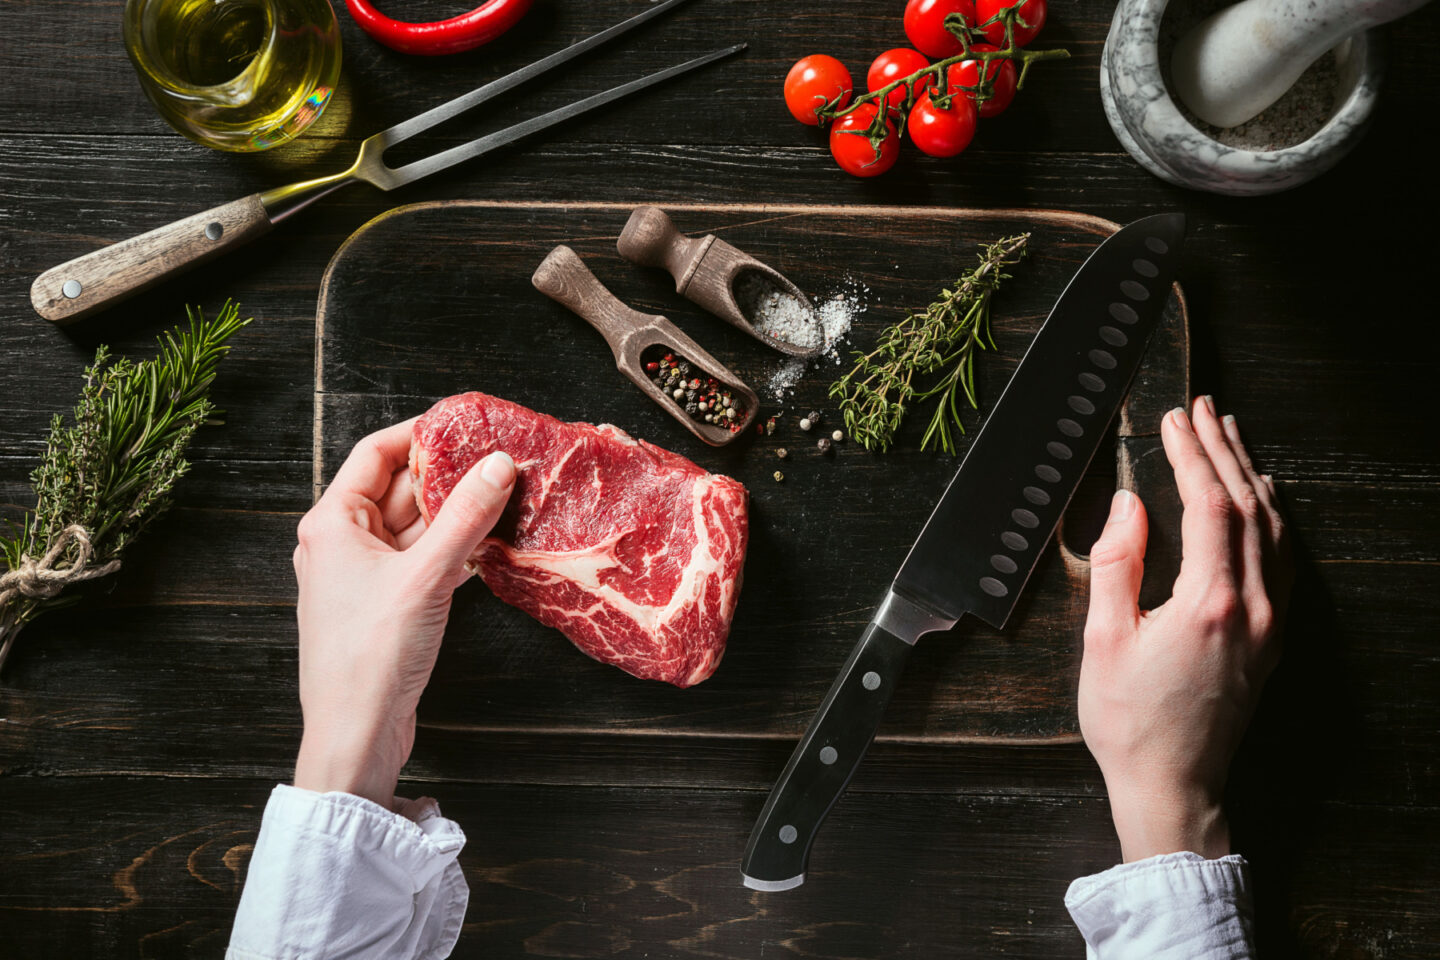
[(1122, 506), (1232, 430), (1209, 403), (498, 470), (1181, 420), (1269, 480)]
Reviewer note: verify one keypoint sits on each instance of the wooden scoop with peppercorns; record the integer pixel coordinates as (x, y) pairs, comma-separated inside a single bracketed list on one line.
[(675, 371)]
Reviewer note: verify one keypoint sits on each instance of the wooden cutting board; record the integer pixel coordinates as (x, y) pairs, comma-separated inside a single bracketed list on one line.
[(435, 299)]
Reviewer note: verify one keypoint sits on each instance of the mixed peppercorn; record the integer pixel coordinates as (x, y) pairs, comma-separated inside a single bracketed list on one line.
[(705, 399)]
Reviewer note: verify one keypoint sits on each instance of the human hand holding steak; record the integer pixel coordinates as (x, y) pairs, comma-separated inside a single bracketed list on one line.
[(375, 589), (1166, 694)]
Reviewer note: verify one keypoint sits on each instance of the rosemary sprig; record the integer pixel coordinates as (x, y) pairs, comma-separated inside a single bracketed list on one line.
[(944, 336), (103, 479)]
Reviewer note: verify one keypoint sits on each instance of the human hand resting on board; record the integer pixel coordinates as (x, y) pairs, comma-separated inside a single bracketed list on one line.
[(375, 589), (1166, 694)]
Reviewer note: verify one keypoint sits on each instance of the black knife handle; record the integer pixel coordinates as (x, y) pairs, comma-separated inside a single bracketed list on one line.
[(823, 763)]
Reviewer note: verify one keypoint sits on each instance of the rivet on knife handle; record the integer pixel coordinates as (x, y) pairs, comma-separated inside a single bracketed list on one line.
[(97, 280), (823, 763)]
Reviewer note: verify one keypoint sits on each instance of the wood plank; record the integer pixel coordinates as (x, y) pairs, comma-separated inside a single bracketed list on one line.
[(1304, 384), (585, 872), (379, 87), (741, 98), (158, 690)]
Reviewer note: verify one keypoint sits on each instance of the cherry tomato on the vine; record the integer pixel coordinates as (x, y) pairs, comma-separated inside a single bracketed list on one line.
[(813, 82), (925, 25), (942, 133), (894, 65), (966, 73), (1031, 11), (851, 147)]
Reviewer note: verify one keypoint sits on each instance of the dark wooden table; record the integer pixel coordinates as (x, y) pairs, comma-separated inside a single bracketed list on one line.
[(141, 733)]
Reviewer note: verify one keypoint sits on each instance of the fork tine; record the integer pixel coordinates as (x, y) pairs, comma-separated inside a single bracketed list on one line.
[(406, 129), (475, 148)]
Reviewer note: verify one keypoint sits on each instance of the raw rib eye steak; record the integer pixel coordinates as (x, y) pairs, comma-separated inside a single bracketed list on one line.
[(632, 552)]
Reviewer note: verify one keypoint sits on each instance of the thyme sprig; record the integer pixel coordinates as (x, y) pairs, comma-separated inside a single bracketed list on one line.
[(941, 91), (946, 335), (104, 478)]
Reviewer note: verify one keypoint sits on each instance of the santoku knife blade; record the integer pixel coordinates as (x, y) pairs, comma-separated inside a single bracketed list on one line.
[(981, 543)]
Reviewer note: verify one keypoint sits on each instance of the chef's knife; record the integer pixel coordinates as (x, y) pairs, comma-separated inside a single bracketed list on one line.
[(980, 544)]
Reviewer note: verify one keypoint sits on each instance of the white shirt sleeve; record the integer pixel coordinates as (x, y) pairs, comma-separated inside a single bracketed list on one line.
[(1176, 906), (334, 875)]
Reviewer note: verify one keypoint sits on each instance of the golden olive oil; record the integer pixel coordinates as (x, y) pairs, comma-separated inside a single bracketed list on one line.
[(235, 74)]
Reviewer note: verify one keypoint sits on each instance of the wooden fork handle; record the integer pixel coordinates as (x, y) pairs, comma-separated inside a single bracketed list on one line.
[(98, 280), (563, 277)]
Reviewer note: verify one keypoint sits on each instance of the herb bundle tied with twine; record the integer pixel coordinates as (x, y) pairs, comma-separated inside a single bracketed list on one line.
[(105, 477)]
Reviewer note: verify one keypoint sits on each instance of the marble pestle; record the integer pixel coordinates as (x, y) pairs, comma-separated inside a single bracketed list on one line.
[(1239, 61)]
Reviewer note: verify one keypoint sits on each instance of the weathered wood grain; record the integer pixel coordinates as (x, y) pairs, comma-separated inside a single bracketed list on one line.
[(502, 711), (1312, 314), (632, 873)]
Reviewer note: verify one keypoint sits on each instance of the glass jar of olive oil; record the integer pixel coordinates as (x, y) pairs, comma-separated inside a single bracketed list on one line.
[(237, 75)]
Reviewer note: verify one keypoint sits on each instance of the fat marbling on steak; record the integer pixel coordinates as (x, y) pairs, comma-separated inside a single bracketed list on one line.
[(632, 552)]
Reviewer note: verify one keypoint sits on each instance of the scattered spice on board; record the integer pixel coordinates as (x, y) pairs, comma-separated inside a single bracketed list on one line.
[(943, 338), (702, 397), (786, 376), (837, 315)]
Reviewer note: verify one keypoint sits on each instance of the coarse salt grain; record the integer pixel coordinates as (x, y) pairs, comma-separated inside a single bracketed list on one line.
[(776, 313), (837, 315)]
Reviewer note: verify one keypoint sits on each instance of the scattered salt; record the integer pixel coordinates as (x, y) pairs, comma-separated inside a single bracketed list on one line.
[(775, 312), (783, 380), (837, 315)]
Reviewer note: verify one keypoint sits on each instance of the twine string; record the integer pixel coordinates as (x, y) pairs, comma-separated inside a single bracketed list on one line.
[(41, 579)]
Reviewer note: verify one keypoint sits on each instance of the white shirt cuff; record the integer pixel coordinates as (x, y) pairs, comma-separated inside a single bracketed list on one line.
[(1176, 906), (335, 875)]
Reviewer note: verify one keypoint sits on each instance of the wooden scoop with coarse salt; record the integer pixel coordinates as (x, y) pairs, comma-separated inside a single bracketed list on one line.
[(638, 339), (731, 284)]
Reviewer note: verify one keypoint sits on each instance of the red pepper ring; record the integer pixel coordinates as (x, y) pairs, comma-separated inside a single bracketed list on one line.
[(465, 32)]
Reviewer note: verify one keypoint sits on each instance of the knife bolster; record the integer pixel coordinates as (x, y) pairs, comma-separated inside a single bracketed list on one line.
[(907, 619)]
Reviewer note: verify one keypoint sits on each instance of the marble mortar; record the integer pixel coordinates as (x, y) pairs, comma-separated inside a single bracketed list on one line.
[(1151, 128)]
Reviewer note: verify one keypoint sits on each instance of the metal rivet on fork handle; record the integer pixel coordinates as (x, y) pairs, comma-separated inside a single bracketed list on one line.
[(72, 289)]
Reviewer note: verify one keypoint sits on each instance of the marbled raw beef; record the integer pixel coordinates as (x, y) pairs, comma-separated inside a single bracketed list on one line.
[(631, 551)]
